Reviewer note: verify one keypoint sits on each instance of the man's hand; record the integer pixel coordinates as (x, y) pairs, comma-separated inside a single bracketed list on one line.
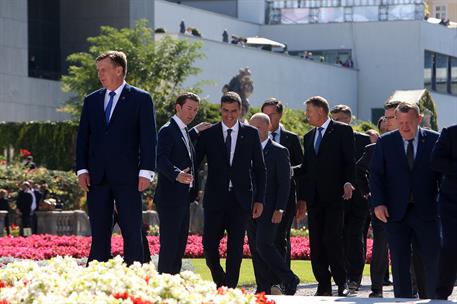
[(348, 188), (277, 217), (143, 183), (301, 210), (203, 126), (184, 177), (84, 181), (381, 213), (257, 210)]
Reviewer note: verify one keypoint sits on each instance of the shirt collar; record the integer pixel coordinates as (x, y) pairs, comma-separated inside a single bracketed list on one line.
[(415, 139), (326, 123), (265, 142), (234, 128), (178, 120), (118, 91)]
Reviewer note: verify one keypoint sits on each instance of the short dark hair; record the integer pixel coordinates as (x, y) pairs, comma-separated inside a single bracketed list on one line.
[(273, 102), (118, 58), (405, 107), (342, 109), (231, 97), (391, 104), (181, 100), (318, 101), (380, 120)]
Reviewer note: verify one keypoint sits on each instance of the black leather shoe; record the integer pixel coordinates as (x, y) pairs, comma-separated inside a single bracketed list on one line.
[(353, 286), (375, 294), (343, 291), (290, 288), (387, 283), (325, 293)]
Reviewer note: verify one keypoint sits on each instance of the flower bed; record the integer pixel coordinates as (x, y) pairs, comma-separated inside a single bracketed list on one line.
[(41, 247), (62, 280)]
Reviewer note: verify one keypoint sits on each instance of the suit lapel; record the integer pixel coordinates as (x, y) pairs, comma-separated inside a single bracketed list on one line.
[(180, 135), (327, 135), (220, 142), (121, 102), (400, 147), (266, 150), (239, 140), (422, 139), (283, 137), (101, 106)]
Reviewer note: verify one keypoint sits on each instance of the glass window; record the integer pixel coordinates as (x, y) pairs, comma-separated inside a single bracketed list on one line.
[(331, 14), (441, 73), (366, 13), (402, 12), (453, 76), (440, 12), (44, 38), (294, 15), (428, 70)]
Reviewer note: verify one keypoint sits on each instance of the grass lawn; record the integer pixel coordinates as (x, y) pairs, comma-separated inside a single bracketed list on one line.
[(301, 268)]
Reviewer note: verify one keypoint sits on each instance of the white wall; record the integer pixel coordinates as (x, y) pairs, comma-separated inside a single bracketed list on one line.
[(290, 79), (211, 25), (22, 98), (446, 108)]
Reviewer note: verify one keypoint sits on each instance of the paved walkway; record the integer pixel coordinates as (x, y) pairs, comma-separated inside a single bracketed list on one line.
[(305, 294)]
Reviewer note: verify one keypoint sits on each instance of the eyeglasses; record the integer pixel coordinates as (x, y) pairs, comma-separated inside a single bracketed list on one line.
[(389, 117)]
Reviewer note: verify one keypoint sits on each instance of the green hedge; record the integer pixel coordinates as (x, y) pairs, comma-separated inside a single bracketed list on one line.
[(52, 143), (63, 185)]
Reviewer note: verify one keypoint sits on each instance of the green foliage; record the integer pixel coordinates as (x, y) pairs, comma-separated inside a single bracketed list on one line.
[(427, 107), (363, 126), (159, 67), (51, 143), (63, 185)]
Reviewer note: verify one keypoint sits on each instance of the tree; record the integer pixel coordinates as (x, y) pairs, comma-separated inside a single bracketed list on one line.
[(159, 67)]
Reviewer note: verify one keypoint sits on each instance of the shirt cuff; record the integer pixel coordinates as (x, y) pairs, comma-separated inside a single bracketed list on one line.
[(196, 130), (147, 174), (348, 183), (82, 171)]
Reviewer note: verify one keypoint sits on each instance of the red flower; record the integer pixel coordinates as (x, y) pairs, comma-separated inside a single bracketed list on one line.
[(262, 299), (24, 153)]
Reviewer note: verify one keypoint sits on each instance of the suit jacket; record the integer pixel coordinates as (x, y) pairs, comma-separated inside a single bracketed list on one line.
[(124, 147), (292, 143), (444, 160), (326, 173), (24, 202), (391, 180), (360, 142), (278, 179), (172, 157), (247, 167), (362, 166)]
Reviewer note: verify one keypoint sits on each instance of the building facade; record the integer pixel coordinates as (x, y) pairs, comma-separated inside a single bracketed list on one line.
[(393, 48)]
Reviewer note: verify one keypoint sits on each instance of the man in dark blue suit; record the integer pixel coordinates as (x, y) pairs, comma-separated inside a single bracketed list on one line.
[(235, 166), (274, 109), (404, 192), (115, 157), (176, 184), (329, 174), (444, 160), (269, 264)]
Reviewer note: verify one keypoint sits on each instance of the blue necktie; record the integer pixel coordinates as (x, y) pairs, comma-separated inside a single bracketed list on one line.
[(318, 140), (274, 135), (109, 106)]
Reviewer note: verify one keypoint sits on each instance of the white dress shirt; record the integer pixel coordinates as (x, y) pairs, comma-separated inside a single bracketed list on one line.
[(182, 126), (277, 137), (143, 173), (415, 143), (34, 202), (264, 143), (234, 135)]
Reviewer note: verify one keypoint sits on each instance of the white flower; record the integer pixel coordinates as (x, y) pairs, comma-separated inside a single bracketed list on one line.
[(61, 280)]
